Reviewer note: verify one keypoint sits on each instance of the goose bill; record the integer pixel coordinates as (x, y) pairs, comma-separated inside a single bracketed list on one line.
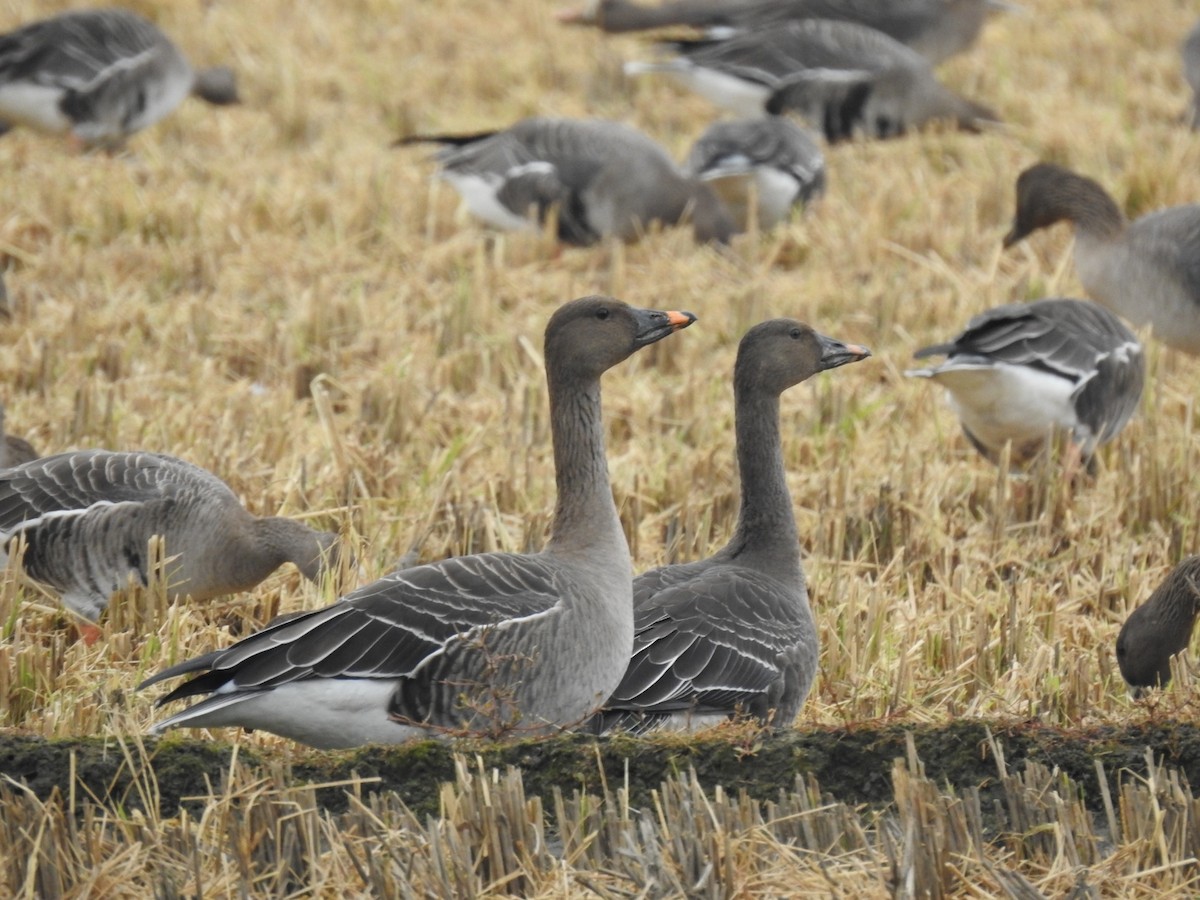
[(654, 325), (834, 353)]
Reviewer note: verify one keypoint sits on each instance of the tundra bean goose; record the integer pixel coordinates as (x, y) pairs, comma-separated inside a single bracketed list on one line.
[(1160, 628), (602, 178), (744, 72), (936, 29), (1147, 271), (87, 517), (495, 642), (1025, 371), (770, 165), (734, 632), (99, 75), (13, 450), (1190, 51)]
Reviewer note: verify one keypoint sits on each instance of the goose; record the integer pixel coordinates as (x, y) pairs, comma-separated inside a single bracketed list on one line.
[(13, 450), (1190, 51), (99, 76), (603, 179), (1024, 371), (86, 518), (495, 642), (1147, 271), (734, 632), (937, 29), (1160, 628), (745, 72), (772, 158)]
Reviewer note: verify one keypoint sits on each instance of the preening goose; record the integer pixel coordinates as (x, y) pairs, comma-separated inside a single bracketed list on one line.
[(603, 179), (1190, 51), (1147, 271), (13, 450), (936, 29), (734, 632), (496, 642), (1160, 628), (748, 71), (99, 75), (87, 517), (768, 164), (1026, 371)]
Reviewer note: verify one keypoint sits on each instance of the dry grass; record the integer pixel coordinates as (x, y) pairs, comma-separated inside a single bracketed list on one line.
[(272, 293)]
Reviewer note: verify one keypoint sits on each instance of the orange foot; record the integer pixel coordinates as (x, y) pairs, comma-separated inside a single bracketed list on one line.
[(89, 634)]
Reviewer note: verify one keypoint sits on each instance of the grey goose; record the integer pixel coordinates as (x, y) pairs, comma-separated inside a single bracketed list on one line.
[(99, 76), (495, 642), (1147, 271), (601, 178), (1190, 51), (768, 164), (13, 450), (1159, 629), (86, 519), (936, 29), (734, 633), (1026, 371), (825, 70)]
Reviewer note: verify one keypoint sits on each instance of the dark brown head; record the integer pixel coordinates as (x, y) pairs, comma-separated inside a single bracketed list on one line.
[(587, 337), (1047, 194), (1160, 628), (217, 85), (779, 353)]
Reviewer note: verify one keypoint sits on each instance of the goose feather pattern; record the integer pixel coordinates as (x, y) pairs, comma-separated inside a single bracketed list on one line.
[(476, 643)]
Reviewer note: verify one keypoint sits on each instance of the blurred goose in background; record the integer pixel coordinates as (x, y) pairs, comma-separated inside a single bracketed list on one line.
[(13, 450), (600, 178), (746, 71), (734, 633), (1160, 628), (1147, 271), (769, 165), (86, 519), (99, 76), (936, 29), (1025, 371), (493, 643), (1190, 50)]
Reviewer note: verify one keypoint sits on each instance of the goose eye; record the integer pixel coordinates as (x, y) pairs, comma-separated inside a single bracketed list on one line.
[(602, 313), (796, 333)]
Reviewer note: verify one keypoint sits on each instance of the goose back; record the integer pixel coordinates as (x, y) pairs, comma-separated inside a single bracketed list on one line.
[(1160, 628), (477, 643), (734, 632)]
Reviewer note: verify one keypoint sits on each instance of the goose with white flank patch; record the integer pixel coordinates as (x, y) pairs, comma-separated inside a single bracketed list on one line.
[(87, 518), (936, 29), (496, 642), (600, 179), (825, 70), (1159, 629), (1147, 271), (99, 76), (769, 164), (734, 633), (1026, 371)]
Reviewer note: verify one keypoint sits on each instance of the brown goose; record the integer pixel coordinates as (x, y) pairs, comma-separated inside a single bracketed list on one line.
[(496, 642), (99, 75), (734, 632), (936, 29), (1026, 371), (1160, 628), (603, 179), (839, 75), (13, 450), (1147, 271), (87, 517)]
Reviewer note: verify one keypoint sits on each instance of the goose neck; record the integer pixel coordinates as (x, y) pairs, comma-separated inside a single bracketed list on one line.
[(766, 522)]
